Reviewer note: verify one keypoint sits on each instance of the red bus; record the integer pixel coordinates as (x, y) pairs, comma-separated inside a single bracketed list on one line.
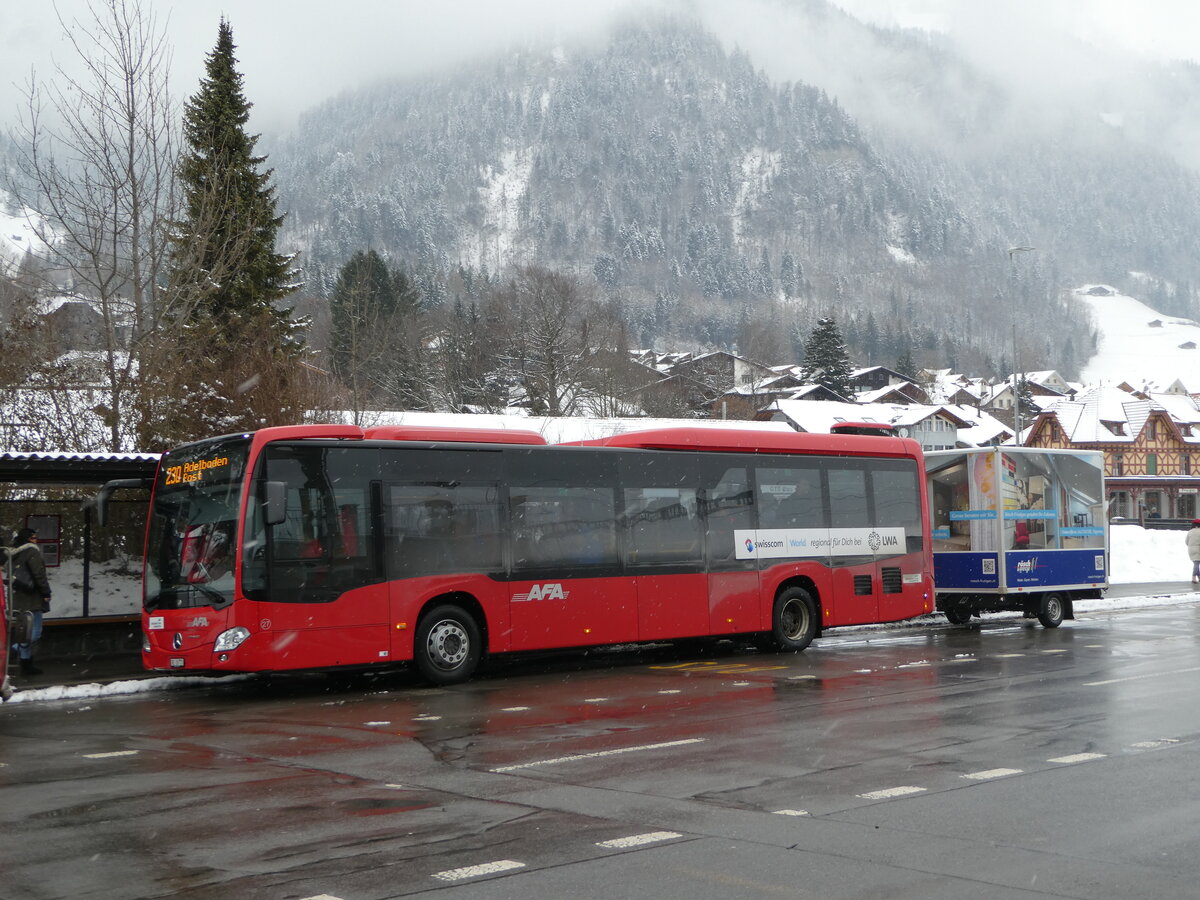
[(320, 546)]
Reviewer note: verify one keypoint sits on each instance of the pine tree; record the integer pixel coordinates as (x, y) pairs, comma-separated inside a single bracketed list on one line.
[(225, 252), (825, 359), (230, 362)]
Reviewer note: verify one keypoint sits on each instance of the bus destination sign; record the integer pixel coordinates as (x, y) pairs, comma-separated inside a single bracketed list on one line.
[(192, 472)]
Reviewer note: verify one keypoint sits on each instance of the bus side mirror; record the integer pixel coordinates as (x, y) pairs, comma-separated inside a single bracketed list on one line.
[(99, 502), (275, 505)]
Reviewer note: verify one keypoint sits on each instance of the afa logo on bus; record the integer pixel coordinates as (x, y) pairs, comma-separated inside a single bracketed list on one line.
[(543, 592)]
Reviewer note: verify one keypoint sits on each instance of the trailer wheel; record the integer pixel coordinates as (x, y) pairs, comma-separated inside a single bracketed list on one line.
[(794, 620), (447, 645), (1051, 615), (959, 614)]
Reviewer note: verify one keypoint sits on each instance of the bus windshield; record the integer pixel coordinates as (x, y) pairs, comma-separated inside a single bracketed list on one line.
[(193, 525)]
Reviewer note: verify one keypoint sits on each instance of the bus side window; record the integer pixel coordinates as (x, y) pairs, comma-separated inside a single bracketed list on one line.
[(563, 527), (440, 528), (728, 507), (317, 553), (790, 497)]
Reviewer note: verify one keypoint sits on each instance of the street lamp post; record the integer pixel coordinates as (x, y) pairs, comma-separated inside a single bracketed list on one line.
[(1012, 252)]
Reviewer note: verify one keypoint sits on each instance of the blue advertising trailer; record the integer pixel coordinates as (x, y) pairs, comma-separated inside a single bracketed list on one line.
[(1017, 528)]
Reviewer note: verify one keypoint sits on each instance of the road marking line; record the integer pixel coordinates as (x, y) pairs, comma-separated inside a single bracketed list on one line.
[(1140, 677), (595, 700), (892, 792), (671, 692), (515, 709), (110, 755), (1077, 758), (740, 683), (598, 754), (1008, 655), (492, 868), (1150, 745), (323, 897), (802, 677), (791, 812), (1059, 650), (991, 773), (377, 723), (638, 840), (426, 718)]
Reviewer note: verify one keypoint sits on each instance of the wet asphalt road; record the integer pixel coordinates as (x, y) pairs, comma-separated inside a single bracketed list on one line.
[(998, 760)]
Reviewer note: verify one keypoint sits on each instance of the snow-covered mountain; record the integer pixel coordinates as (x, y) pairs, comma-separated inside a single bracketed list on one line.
[(17, 234), (1138, 344)]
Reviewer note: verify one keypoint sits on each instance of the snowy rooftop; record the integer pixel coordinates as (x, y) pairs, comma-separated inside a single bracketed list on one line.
[(557, 430)]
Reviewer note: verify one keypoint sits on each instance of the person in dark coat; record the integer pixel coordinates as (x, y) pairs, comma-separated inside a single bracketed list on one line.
[(29, 591)]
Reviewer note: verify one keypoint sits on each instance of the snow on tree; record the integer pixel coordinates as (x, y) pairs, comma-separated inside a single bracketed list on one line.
[(825, 359), (234, 363)]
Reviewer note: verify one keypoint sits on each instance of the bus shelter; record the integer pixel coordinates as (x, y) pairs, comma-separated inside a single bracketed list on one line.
[(92, 572)]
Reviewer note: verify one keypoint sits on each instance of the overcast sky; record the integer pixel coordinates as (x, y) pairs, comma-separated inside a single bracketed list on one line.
[(313, 50)]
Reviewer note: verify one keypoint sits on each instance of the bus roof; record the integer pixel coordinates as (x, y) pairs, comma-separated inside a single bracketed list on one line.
[(750, 441), (453, 435)]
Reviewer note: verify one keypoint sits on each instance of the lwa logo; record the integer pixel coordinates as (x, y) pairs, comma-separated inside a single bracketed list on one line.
[(1026, 566), (542, 592)]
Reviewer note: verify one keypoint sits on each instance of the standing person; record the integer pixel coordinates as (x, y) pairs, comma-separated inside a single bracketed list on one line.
[(1193, 545), (30, 591)]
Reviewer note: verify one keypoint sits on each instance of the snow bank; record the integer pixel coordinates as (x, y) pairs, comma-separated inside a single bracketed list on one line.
[(1141, 554)]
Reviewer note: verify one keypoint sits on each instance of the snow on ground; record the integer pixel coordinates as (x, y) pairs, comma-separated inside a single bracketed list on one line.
[(1134, 350), (1143, 554), (115, 590)]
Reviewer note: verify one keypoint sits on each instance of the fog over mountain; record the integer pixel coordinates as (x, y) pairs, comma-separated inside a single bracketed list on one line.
[(726, 173), (728, 179)]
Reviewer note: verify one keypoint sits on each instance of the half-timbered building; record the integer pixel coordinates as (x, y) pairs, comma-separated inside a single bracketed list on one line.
[(1151, 446)]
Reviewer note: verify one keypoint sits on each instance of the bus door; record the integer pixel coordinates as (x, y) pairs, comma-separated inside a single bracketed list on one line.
[(323, 578), (663, 535), (566, 585), (855, 571), (727, 501), (900, 540)]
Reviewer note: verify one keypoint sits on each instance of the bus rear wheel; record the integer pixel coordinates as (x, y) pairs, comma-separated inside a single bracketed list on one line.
[(1052, 612), (448, 645), (794, 620)]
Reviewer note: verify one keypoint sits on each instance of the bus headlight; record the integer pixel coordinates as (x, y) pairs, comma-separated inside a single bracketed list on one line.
[(231, 639), (145, 642)]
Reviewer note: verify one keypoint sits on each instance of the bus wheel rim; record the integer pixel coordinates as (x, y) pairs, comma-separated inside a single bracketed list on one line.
[(794, 618), (448, 644)]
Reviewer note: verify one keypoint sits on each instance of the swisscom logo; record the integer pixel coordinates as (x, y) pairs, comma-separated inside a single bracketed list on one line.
[(749, 545)]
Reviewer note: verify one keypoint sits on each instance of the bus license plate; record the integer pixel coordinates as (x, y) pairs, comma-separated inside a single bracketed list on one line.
[(176, 662)]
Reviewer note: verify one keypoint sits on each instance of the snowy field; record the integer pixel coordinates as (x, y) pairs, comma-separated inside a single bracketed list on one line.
[(1134, 349)]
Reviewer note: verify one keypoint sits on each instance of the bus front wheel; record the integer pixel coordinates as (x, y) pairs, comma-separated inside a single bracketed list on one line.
[(448, 645), (794, 620)]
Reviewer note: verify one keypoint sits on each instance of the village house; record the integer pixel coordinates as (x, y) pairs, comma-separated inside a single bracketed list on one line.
[(934, 427), (1150, 442)]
